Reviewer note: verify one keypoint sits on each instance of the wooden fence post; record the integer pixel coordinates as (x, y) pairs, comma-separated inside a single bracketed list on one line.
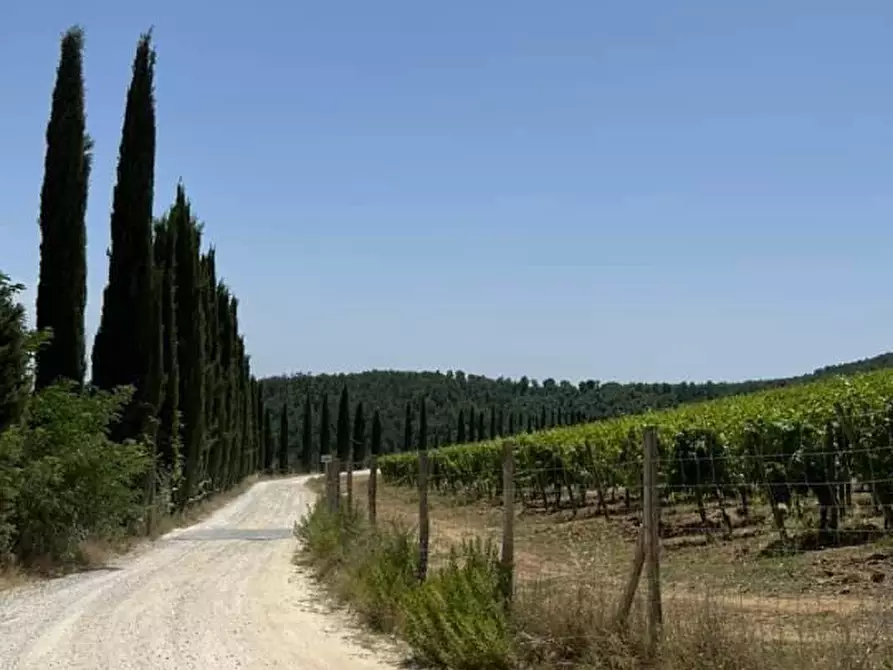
[(373, 485), (424, 525), (651, 517), (508, 522)]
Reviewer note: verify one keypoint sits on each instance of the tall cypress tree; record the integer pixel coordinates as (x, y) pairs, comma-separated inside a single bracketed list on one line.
[(307, 459), (259, 426), (127, 347), (62, 286), (407, 428), (190, 341), (269, 449), (460, 428), (344, 427), (168, 416), (511, 423), (227, 352), (492, 423), (325, 427), (359, 435), (375, 447), (472, 424), (423, 424), (283, 440), (481, 435)]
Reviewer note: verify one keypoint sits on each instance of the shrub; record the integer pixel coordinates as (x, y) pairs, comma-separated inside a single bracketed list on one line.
[(72, 481)]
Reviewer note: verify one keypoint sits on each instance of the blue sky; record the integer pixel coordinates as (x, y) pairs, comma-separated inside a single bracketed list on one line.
[(632, 191)]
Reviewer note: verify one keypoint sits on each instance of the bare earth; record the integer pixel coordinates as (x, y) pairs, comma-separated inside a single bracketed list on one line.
[(221, 594)]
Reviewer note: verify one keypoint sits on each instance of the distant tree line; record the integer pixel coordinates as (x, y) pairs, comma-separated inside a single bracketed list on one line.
[(468, 408)]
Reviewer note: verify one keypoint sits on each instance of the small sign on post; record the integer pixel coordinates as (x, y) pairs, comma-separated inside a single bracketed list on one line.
[(325, 458)]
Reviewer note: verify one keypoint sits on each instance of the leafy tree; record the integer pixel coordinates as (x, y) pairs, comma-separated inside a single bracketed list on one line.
[(73, 482), (283, 441), (62, 287), (14, 379), (127, 347)]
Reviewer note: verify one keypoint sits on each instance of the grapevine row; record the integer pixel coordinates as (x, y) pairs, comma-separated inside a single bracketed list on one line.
[(817, 439)]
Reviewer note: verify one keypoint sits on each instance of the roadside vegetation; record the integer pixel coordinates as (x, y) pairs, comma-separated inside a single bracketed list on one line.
[(457, 618), (169, 419)]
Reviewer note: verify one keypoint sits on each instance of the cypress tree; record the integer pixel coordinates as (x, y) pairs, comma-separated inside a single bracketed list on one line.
[(359, 435), (500, 424), (283, 441), (14, 380), (407, 428), (62, 287), (259, 426), (542, 418), (481, 435), (343, 435), (168, 416), (552, 423), (492, 423), (529, 424), (376, 434), (423, 425), (127, 347), (190, 341), (460, 428), (472, 422), (307, 459), (269, 450), (558, 420), (227, 352), (325, 426), (214, 456), (511, 423)]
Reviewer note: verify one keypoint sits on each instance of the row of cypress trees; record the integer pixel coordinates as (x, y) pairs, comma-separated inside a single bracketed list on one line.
[(351, 442), (169, 327)]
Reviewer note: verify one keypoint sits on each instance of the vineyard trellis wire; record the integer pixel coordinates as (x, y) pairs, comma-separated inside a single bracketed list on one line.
[(776, 474)]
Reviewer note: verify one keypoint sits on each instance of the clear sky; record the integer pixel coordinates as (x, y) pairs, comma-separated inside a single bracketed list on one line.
[(576, 189)]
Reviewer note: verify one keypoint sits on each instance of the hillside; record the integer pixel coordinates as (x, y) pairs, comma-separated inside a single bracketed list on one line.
[(523, 402)]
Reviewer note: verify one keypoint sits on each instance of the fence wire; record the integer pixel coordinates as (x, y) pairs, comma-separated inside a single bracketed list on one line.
[(783, 539)]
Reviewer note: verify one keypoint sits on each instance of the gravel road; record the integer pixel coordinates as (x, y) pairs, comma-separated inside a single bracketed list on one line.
[(221, 594)]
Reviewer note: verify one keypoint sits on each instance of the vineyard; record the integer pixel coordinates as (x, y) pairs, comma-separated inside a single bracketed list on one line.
[(825, 441)]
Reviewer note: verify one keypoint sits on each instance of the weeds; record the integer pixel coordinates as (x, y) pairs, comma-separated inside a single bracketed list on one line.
[(457, 618)]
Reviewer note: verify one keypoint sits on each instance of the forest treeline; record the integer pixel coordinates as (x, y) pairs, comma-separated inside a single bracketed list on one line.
[(465, 407), (170, 411)]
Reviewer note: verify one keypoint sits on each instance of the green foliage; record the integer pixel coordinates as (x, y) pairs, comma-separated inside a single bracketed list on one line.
[(343, 435), (359, 435), (127, 348), (14, 353), (283, 441), (71, 481), (62, 287), (457, 618)]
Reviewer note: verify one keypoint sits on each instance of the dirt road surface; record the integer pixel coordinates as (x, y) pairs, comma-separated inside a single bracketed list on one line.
[(222, 594)]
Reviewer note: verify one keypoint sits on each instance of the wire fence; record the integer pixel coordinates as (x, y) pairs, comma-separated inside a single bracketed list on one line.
[(786, 538)]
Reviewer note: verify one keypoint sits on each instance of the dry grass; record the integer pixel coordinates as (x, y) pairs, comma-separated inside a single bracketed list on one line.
[(780, 599)]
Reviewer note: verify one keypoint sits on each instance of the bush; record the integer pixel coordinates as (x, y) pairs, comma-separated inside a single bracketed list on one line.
[(64, 480), (457, 618)]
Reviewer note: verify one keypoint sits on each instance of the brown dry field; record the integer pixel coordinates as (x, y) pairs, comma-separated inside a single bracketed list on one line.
[(802, 595)]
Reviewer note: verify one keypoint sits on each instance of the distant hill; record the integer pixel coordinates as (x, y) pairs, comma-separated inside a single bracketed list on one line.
[(522, 403)]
